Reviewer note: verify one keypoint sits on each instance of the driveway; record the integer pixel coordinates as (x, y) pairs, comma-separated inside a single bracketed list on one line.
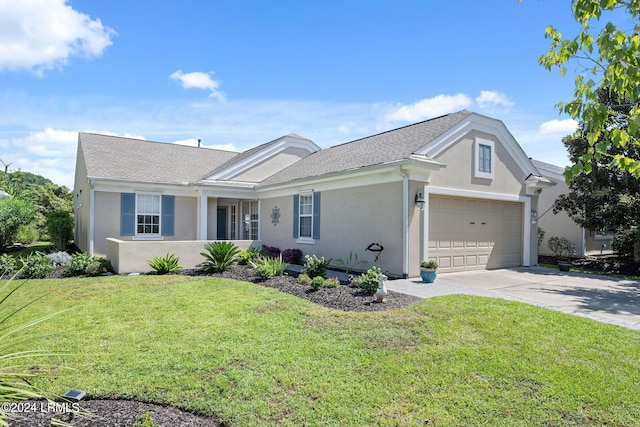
[(605, 299)]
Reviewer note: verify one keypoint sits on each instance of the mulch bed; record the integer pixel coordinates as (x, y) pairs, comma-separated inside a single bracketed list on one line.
[(125, 413)]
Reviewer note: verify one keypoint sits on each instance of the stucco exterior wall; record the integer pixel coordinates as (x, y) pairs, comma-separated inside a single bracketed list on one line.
[(132, 256), (350, 220), (459, 172)]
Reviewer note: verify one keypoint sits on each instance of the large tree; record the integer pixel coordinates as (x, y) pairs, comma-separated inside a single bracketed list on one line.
[(610, 60)]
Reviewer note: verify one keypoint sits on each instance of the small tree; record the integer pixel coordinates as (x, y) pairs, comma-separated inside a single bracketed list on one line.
[(60, 227)]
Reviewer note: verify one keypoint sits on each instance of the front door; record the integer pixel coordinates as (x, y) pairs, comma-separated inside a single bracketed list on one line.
[(222, 223)]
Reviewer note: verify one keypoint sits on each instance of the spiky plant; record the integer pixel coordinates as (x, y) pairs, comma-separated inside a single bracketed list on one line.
[(219, 256)]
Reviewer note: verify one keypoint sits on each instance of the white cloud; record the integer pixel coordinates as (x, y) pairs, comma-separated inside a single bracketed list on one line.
[(429, 108), (555, 127), (199, 80), (44, 34), (489, 98)]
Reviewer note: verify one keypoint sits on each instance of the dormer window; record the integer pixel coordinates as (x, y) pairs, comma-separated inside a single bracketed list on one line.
[(483, 159)]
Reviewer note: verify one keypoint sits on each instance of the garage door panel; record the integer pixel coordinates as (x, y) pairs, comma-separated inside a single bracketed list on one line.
[(467, 234)]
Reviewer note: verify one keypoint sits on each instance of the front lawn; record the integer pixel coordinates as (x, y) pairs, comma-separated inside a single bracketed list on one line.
[(251, 355)]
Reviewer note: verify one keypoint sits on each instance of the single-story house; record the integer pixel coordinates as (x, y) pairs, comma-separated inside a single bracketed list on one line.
[(586, 242), (457, 188)]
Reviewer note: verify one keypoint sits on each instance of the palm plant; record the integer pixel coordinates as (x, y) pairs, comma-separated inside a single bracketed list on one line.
[(15, 369), (219, 256), (165, 265)]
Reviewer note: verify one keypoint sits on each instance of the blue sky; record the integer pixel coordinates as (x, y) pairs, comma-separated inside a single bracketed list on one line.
[(238, 74)]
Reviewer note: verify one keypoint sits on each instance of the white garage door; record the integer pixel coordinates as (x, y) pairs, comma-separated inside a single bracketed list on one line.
[(472, 234)]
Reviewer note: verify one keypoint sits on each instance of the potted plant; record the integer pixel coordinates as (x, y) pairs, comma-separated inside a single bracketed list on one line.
[(428, 270), (562, 248)]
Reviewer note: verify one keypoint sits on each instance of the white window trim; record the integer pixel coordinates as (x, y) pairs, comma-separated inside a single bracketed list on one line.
[(148, 236), (305, 240), (476, 159)]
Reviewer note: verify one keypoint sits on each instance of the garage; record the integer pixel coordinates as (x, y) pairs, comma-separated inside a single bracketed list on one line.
[(474, 234)]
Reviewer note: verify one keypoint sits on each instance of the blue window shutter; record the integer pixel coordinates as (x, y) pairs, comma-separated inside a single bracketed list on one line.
[(127, 214), (316, 215), (296, 213), (168, 215)]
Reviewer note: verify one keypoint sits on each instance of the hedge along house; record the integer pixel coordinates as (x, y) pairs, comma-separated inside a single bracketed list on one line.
[(457, 188)]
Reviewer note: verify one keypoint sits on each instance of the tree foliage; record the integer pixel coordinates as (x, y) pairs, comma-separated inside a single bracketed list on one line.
[(13, 214), (608, 60), (604, 197)]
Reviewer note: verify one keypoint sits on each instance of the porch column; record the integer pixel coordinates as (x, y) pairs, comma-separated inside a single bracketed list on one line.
[(202, 217)]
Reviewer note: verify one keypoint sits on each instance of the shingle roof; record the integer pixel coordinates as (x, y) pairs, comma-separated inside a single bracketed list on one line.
[(112, 157), (397, 144), (558, 170)]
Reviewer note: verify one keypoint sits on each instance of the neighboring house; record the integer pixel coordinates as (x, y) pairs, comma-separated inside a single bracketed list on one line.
[(587, 242), (138, 199)]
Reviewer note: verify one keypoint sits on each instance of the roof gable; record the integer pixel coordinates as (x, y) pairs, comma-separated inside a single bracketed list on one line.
[(260, 162)]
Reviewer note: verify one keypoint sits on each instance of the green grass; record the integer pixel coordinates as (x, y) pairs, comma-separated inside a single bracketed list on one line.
[(251, 355)]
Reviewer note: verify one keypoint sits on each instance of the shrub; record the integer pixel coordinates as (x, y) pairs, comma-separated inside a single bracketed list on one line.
[(35, 266), (59, 259), (60, 228), (8, 264), (292, 256), (266, 268), (432, 264), (355, 282), (304, 279), (350, 263), (146, 421), (245, 256), (270, 251), (331, 282), (14, 213), (315, 266), (85, 264), (561, 247), (317, 282), (219, 256), (165, 265), (623, 242), (27, 234), (370, 281)]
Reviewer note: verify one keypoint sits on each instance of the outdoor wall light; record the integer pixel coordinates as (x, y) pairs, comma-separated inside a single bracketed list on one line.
[(419, 201)]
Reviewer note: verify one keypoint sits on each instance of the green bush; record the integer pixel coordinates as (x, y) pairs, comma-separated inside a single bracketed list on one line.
[(370, 281), (35, 266), (561, 247), (146, 421), (317, 282), (165, 265), (315, 266), (219, 256), (27, 234), (60, 228), (8, 264), (331, 282), (245, 256), (84, 264), (304, 279), (14, 213), (623, 242), (266, 268)]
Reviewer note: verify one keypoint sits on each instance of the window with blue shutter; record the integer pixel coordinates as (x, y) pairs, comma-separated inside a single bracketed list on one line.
[(306, 216)]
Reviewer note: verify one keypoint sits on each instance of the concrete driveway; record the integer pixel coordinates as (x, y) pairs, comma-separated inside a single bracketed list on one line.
[(608, 300)]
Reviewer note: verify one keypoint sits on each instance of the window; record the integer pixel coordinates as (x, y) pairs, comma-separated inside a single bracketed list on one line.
[(306, 217), (483, 159), (148, 214), (250, 219), (233, 220)]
